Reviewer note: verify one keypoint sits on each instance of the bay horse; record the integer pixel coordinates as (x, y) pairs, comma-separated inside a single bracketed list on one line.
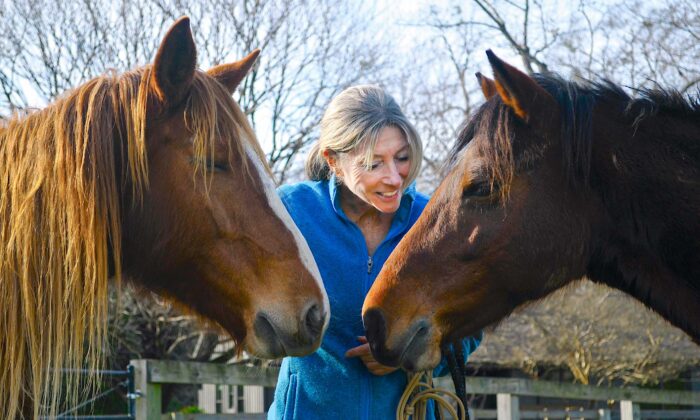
[(549, 181), (155, 176)]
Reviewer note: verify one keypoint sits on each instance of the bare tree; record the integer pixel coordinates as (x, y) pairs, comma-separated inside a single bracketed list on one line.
[(143, 326), (311, 50), (523, 26), (635, 44), (600, 335), (436, 89), (651, 46)]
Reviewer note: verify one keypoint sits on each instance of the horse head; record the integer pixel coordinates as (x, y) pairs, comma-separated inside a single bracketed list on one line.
[(504, 227), (209, 231)]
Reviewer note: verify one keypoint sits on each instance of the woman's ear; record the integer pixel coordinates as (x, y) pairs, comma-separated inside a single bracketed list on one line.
[(332, 160)]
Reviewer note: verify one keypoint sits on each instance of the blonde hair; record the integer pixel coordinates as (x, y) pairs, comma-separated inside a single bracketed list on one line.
[(353, 121)]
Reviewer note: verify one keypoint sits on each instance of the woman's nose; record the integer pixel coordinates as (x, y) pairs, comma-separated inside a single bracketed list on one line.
[(393, 177)]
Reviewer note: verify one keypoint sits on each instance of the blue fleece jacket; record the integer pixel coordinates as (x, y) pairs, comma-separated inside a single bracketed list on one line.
[(326, 384)]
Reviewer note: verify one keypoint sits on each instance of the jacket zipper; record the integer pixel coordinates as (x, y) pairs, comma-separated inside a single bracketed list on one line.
[(369, 264)]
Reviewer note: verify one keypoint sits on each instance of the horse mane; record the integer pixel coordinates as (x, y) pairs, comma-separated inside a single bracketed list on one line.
[(576, 102), (60, 210)]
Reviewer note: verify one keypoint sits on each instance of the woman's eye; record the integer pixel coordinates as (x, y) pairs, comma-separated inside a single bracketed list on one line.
[(402, 158), (374, 165)]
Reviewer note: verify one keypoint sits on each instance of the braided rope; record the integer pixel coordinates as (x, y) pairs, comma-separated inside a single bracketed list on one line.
[(413, 404)]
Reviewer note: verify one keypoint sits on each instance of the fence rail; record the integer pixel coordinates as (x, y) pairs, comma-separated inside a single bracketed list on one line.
[(151, 374)]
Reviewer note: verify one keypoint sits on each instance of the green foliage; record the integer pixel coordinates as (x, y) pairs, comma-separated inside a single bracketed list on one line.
[(191, 409)]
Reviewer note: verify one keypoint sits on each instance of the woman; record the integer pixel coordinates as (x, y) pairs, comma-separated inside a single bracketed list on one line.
[(358, 204)]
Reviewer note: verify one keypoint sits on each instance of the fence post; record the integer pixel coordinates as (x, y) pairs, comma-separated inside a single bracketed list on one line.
[(629, 410), (148, 405), (508, 407)]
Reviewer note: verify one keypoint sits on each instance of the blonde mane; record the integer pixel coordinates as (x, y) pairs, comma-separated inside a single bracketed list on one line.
[(60, 212)]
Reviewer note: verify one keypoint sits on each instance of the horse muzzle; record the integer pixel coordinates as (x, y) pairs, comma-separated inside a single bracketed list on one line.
[(276, 336), (411, 349)]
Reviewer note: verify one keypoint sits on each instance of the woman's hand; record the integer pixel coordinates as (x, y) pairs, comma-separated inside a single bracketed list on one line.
[(362, 351)]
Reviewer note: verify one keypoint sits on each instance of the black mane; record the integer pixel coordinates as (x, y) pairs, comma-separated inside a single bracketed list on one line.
[(576, 102)]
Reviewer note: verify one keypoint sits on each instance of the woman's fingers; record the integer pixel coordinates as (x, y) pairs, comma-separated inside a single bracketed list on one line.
[(375, 367), (361, 350), (379, 369)]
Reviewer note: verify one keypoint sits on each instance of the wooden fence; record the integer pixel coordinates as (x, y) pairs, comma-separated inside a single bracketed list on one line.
[(151, 374)]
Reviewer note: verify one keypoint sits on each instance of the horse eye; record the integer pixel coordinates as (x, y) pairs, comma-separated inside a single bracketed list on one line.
[(479, 189), (218, 166), (213, 166)]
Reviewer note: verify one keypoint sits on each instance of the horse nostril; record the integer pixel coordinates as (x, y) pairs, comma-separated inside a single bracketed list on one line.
[(264, 329), (314, 321), (375, 327)]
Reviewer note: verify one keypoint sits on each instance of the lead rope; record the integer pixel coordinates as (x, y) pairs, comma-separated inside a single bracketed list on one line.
[(413, 404)]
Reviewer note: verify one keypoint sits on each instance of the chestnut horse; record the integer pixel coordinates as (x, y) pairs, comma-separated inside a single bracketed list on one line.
[(156, 176), (549, 182)]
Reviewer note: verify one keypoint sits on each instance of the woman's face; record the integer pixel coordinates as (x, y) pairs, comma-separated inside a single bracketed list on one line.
[(381, 184)]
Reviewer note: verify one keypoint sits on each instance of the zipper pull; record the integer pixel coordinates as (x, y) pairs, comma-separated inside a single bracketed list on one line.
[(369, 264)]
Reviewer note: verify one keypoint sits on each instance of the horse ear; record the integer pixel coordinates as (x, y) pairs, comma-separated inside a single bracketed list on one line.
[(488, 86), (174, 65), (520, 91), (230, 75)]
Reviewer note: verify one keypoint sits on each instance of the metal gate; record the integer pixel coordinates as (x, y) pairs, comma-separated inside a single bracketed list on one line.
[(127, 384)]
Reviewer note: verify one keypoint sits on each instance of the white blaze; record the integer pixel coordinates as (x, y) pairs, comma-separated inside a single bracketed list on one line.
[(277, 206)]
